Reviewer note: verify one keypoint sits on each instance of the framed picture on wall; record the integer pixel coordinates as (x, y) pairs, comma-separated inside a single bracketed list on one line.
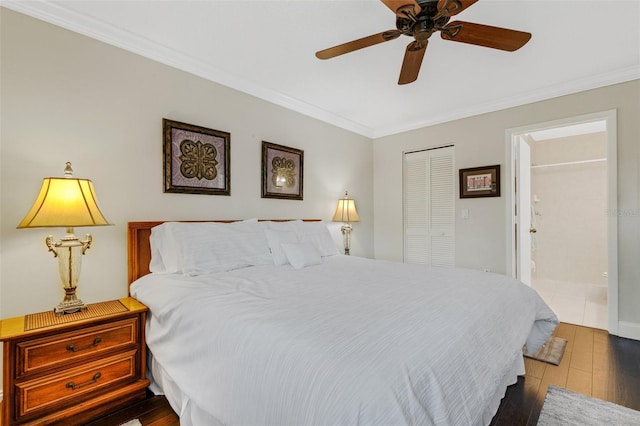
[(480, 182), (196, 159), (282, 171)]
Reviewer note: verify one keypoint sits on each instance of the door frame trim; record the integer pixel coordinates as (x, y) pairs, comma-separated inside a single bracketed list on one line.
[(610, 117)]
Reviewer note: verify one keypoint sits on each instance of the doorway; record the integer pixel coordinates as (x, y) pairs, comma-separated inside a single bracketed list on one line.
[(564, 244)]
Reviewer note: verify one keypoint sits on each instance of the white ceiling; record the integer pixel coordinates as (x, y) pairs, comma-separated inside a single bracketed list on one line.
[(266, 48)]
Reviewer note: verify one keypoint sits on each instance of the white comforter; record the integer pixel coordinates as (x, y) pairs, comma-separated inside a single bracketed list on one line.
[(350, 341)]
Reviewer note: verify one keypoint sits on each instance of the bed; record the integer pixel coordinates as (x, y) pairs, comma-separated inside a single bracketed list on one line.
[(264, 323)]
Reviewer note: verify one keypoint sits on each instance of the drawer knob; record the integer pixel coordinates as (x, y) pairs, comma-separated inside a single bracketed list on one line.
[(95, 378), (73, 348)]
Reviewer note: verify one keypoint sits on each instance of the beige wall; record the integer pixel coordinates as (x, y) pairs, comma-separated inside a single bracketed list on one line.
[(66, 97), (479, 141)]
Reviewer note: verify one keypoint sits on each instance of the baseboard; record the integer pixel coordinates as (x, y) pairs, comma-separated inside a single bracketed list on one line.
[(629, 330)]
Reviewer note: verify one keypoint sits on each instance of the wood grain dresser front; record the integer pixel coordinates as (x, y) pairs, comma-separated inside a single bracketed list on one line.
[(70, 370)]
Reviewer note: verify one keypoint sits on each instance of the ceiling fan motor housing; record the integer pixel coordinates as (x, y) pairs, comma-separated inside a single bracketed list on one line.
[(422, 25), (429, 7)]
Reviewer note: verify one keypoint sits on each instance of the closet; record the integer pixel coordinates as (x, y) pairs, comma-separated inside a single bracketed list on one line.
[(428, 206)]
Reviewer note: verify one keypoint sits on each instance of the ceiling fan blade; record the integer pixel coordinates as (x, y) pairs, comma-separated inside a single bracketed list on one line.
[(396, 5), (360, 43), (485, 35), (412, 60), (453, 7)]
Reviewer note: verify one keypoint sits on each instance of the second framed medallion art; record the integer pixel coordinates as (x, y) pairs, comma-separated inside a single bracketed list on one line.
[(282, 172)]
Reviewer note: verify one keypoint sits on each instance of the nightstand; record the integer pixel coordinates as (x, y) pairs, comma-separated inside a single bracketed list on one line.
[(73, 368)]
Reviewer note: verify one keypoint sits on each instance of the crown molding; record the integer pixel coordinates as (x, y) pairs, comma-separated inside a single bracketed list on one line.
[(63, 17), (567, 88)]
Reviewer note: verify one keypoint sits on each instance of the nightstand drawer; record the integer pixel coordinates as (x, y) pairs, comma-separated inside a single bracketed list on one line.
[(58, 350), (34, 397)]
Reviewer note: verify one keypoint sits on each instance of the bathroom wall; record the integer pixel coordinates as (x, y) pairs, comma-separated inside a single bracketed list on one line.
[(571, 240)]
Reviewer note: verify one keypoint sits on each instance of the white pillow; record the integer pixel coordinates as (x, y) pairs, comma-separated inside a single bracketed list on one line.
[(317, 234), (275, 239), (301, 255), (207, 247), (155, 264), (164, 252), (287, 225)]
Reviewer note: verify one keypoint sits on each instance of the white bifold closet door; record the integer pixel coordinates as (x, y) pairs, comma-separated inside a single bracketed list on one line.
[(429, 211)]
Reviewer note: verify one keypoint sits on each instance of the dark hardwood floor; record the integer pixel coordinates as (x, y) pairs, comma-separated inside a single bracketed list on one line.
[(594, 363), (153, 411)]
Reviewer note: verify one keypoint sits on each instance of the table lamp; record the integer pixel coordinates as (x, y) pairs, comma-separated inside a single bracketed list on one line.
[(346, 212), (66, 202)]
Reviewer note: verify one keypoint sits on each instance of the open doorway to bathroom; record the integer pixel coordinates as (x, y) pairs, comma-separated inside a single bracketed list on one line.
[(563, 230), (569, 263)]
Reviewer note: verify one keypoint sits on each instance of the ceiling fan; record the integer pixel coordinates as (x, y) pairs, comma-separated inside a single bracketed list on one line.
[(421, 18)]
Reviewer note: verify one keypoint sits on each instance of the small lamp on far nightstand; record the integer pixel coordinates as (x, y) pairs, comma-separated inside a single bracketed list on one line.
[(66, 202), (346, 212)]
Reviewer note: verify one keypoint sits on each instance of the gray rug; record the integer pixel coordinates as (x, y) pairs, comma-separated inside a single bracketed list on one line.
[(551, 351), (566, 408)]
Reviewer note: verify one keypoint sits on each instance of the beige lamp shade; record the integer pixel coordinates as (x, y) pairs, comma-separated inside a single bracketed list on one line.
[(64, 202), (346, 211)]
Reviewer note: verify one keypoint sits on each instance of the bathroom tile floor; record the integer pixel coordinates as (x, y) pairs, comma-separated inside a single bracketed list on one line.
[(575, 303)]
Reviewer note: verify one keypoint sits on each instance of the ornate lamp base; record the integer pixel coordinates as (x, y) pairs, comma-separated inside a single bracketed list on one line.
[(346, 234), (70, 303), (69, 251)]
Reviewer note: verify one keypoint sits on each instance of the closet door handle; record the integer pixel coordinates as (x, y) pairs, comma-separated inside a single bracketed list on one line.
[(533, 230)]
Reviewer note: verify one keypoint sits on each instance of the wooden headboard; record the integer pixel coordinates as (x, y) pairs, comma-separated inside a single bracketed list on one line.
[(139, 249)]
